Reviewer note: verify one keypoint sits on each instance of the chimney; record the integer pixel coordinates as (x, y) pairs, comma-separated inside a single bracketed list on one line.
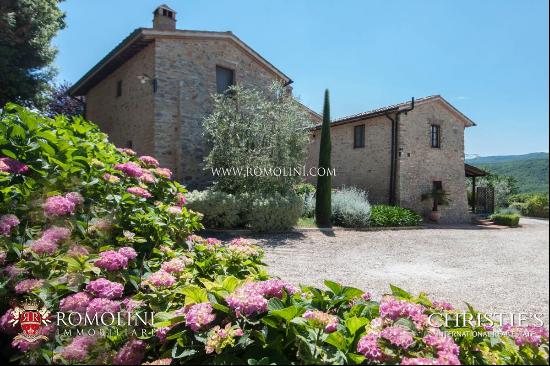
[(164, 18)]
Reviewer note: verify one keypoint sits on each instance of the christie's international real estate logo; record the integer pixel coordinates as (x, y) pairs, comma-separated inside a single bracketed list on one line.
[(31, 317)]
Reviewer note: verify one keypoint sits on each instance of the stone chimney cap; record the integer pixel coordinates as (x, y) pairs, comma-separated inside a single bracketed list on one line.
[(164, 6)]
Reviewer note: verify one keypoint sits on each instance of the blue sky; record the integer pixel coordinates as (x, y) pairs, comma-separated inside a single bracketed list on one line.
[(488, 58)]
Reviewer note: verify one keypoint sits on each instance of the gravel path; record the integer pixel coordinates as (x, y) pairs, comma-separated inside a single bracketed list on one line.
[(495, 270)]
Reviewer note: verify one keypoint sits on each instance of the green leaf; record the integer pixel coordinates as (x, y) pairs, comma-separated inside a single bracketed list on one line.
[(334, 287), (355, 358), (397, 292), (275, 304), (355, 323), (288, 313), (9, 153), (230, 283), (338, 340), (194, 295)]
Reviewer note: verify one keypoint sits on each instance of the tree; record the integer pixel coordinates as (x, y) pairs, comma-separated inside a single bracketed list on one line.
[(60, 102), (257, 138), (324, 182), (26, 30)]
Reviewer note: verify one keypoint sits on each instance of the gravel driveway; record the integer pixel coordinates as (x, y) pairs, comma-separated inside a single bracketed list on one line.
[(495, 270)]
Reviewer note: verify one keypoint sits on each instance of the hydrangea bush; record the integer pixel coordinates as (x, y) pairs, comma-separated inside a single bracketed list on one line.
[(77, 234)]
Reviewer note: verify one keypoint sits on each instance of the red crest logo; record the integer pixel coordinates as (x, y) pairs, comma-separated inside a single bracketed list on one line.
[(31, 318)]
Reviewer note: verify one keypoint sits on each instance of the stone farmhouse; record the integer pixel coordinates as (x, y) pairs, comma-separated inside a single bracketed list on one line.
[(152, 91)]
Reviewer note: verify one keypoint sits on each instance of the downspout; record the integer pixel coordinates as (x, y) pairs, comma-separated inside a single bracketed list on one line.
[(394, 145)]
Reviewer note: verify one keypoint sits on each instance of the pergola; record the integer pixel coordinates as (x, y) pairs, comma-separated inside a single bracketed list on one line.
[(473, 172)]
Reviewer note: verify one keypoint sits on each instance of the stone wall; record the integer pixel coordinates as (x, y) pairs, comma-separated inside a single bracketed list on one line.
[(420, 164), (186, 79), (367, 168), (128, 117)]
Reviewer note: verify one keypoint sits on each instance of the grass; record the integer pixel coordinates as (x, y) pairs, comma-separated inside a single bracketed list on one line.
[(306, 222)]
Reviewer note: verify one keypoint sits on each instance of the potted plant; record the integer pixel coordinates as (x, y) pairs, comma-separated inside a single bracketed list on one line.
[(439, 197)]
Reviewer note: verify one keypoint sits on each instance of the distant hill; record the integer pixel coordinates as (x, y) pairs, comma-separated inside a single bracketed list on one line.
[(530, 170)]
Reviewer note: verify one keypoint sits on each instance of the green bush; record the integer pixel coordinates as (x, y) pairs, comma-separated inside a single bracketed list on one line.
[(386, 215), (221, 210), (530, 204), (511, 220), (272, 212), (304, 189), (350, 208)]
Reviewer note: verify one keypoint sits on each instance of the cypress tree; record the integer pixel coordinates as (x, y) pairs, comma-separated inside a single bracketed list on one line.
[(324, 182)]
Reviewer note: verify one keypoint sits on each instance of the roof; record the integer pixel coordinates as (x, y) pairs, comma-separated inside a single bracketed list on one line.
[(140, 38), (472, 171), (392, 108)]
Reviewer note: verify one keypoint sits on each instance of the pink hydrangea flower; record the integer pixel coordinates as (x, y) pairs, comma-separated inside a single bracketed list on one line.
[(198, 316), (111, 178), (367, 296), (25, 346), (138, 191), (131, 353), (443, 305), (164, 172), (44, 247), (131, 304), (174, 210), (419, 361), (149, 160), (56, 234), (394, 309), (531, 334), (148, 178), (368, 346), (12, 166), (78, 250), (161, 279), (128, 252), (28, 286), (242, 248), (58, 206), (126, 151), (76, 303), (112, 261), (322, 320), (102, 305), (5, 326), (445, 346), (251, 298), (176, 265), (180, 200), (160, 361), (13, 271), (213, 242), (218, 338), (104, 288), (75, 198), (78, 349), (398, 336), (7, 223), (130, 169)]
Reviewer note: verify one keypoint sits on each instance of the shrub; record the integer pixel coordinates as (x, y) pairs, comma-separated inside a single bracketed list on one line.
[(304, 189), (511, 220), (386, 215), (258, 129), (272, 212), (350, 208), (530, 204), (221, 210), (309, 205), (102, 250)]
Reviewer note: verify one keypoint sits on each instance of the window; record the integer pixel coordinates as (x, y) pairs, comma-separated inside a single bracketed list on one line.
[(436, 136), (359, 136), (224, 79), (119, 88)]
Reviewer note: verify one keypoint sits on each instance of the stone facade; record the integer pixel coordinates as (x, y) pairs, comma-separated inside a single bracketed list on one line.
[(166, 91), (367, 168), (128, 118), (186, 77), (418, 164)]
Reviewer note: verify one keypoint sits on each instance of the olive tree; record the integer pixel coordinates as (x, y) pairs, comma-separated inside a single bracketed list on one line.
[(257, 139)]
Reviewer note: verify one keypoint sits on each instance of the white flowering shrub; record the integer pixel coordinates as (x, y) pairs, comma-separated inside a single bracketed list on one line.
[(222, 210), (350, 208)]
